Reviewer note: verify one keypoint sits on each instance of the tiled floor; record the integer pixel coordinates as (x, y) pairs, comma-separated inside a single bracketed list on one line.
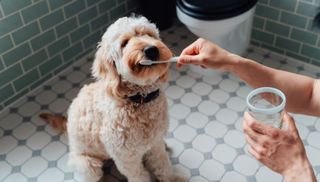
[(205, 125)]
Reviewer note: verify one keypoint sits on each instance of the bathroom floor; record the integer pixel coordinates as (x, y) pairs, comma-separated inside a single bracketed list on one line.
[(205, 131)]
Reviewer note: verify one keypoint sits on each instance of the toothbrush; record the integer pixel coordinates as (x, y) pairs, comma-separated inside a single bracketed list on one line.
[(150, 62)]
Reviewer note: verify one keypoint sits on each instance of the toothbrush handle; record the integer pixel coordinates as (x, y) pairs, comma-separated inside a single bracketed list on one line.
[(174, 59)]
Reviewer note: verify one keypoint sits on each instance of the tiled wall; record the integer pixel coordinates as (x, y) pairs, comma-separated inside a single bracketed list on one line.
[(39, 38), (286, 26)]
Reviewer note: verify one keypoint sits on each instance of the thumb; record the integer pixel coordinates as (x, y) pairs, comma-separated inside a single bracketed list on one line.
[(288, 122), (190, 59)]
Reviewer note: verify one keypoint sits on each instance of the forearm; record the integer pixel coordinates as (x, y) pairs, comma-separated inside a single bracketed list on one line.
[(297, 88)]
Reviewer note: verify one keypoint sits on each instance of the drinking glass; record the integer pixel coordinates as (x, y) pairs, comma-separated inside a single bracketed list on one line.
[(266, 104)]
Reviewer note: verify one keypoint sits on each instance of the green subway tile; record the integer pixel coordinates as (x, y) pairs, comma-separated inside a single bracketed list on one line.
[(312, 52), (258, 22), (10, 6), (54, 4), (272, 48), (83, 54), (35, 11), (80, 33), (132, 4), (304, 36), (16, 97), (1, 64), (50, 65), (10, 23), (298, 57), (25, 33), (88, 15), (316, 63), (293, 19), (106, 6), (99, 22), (42, 40), (62, 67), (262, 36), (287, 44), (255, 43), (306, 9), (267, 12), (74, 8), (6, 92), (277, 28), (58, 46), (92, 2), (120, 1), (117, 12), (41, 81), (1, 14), (66, 26), (34, 60), (92, 39), (284, 4), (71, 52), (26, 80), (16, 54), (10, 73), (5, 44), (51, 20), (263, 1)]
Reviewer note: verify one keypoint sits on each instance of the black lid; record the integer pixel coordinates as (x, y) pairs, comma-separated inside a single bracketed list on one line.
[(214, 9)]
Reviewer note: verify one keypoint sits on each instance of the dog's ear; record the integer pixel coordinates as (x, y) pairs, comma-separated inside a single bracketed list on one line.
[(104, 68), (99, 67)]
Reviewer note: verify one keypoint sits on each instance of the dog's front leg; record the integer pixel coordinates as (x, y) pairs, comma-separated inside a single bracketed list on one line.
[(88, 168), (132, 167), (157, 161)]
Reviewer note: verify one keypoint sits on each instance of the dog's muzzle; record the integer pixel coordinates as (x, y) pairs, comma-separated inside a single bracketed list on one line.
[(151, 52)]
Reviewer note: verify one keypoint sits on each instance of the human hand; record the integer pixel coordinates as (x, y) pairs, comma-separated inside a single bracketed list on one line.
[(205, 54), (279, 149)]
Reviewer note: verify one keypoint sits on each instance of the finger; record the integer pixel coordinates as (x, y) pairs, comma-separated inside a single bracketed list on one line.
[(187, 59), (259, 146), (191, 49), (253, 124), (254, 153), (259, 127), (251, 133), (178, 65)]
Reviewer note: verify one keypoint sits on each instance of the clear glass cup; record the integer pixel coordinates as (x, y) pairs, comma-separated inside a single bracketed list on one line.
[(266, 104)]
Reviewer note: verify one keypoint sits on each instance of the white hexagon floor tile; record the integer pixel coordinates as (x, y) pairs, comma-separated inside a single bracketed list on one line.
[(205, 135)]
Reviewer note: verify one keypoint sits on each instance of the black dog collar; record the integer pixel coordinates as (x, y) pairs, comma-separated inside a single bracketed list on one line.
[(138, 98)]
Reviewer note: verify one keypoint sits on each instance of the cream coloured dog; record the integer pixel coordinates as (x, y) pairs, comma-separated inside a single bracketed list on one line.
[(124, 114)]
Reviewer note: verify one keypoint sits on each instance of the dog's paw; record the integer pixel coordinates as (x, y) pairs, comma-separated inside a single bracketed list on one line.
[(178, 178)]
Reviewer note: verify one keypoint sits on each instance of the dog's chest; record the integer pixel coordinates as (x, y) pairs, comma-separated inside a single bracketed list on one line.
[(140, 124)]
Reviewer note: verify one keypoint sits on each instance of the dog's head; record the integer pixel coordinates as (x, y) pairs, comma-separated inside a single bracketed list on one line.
[(125, 43)]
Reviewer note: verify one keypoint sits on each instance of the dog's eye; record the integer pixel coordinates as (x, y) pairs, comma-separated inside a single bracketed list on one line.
[(124, 43)]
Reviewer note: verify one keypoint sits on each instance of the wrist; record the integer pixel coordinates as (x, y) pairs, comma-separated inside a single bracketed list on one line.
[(300, 171), (233, 62)]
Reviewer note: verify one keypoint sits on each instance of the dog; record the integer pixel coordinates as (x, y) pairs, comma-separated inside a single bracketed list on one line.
[(123, 115)]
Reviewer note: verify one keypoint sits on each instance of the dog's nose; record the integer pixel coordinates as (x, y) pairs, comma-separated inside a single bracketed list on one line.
[(151, 52)]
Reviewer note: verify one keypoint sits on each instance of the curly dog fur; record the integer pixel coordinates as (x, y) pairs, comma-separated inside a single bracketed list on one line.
[(103, 123)]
